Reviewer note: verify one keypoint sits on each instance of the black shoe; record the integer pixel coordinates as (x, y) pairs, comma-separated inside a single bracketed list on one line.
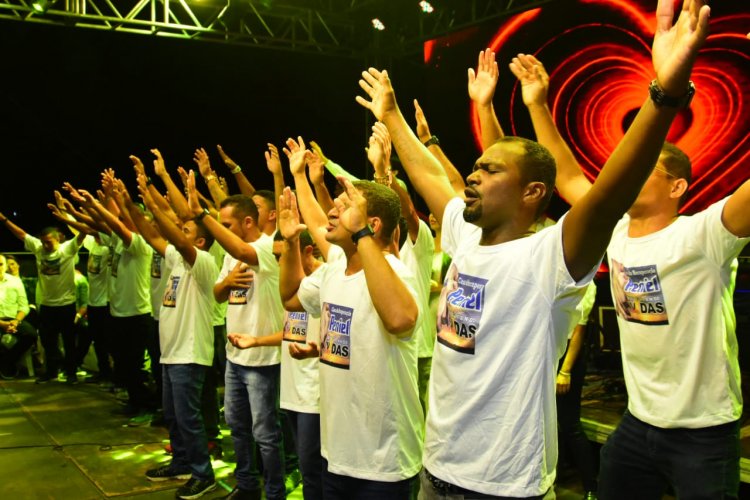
[(166, 472), (71, 379), (238, 494), (8, 373), (195, 488), (43, 379)]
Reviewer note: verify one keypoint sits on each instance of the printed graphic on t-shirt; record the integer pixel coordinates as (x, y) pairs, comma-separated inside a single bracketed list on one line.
[(638, 294), (240, 296), (295, 327), (336, 323), (50, 267), (460, 310), (94, 265), (170, 294), (115, 262), (156, 266)]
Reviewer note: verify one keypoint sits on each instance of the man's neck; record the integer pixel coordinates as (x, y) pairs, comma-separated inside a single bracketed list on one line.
[(643, 224), (503, 233)]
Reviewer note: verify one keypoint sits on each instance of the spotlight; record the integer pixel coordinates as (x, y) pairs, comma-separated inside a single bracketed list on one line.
[(41, 6), (378, 24), (426, 7)]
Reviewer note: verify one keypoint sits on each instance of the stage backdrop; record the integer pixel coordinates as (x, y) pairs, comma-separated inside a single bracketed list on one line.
[(598, 55)]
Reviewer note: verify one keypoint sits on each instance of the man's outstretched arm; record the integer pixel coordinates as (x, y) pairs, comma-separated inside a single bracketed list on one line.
[(482, 84), (424, 171), (589, 224)]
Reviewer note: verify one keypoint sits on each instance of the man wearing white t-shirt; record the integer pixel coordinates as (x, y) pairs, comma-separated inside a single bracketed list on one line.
[(55, 264), (248, 281), (672, 280), (371, 420), (300, 388), (509, 297), (186, 345)]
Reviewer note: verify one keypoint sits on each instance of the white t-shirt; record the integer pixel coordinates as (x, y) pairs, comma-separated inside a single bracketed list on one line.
[(300, 384), (417, 256), (185, 331), (370, 416), (256, 310), (677, 331), (503, 321), (56, 284), (129, 286), (159, 275), (220, 308), (97, 269), (12, 297)]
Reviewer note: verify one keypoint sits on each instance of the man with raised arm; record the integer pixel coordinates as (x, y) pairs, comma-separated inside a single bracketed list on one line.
[(55, 262), (186, 343), (248, 281), (370, 417), (509, 298), (672, 280)]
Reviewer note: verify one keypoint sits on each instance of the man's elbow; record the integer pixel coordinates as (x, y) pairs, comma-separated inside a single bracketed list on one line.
[(401, 322)]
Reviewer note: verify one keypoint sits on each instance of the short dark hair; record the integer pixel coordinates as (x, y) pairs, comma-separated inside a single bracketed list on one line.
[(382, 202), (242, 206), (537, 165), (203, 232), (51, 230), (305, 238), (268, 196), (678, 165)]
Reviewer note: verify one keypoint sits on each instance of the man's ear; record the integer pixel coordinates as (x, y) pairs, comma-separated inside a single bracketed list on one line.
[(534, 192), (679, 187)]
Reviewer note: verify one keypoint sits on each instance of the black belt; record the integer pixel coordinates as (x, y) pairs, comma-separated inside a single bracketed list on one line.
[(445, 487)]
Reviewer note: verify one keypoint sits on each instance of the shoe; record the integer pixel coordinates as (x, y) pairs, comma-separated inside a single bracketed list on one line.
[(43, 379), (8, 373), (166, 472), (195, 488), (106, 385), (590, 495), (292, 480), (121, 394), (238, 494), (71, 380), (143, 418)]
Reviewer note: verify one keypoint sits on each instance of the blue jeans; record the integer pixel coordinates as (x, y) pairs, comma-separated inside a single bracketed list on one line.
[(337, 487), (251, 402), (640, 460), (182, 387), (306, 430)]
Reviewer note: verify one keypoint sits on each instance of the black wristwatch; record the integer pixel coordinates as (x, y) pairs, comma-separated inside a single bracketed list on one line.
[(201, 215), (661, 99), (365, 231), (432, 140)]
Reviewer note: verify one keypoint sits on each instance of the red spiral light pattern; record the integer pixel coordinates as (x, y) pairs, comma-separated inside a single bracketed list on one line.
[(599, 74)]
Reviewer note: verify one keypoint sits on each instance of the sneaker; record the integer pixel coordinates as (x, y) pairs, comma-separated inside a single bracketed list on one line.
[(238, 494), (166, 472), (143, 418), (8, 373), (106, 385), (292, 480), (195, 488), (71, 379)]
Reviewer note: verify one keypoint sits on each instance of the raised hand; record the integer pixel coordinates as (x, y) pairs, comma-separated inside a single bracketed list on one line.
[(352, 207), (289, 223), (533, 78), (230, 163), (482, 83), (318, 151), (108, 177), (380, 132), (676, 45), (201, 160), (192, 194), (73, 192), (183, 175), (241, 276), (273, 163), (295, 151), (378, 88), (423, 129), (315, 165), (159, 165)]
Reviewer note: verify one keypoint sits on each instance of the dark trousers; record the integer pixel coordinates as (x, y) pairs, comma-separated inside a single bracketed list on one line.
[(336, 487), (25, 338), (306, 430), (209, 395), (154, 353), (98, 332), (130, 334), (572, 441), (53, 321), (640, 460)]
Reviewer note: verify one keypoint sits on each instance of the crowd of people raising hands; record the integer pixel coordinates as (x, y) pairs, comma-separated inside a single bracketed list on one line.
[(410, 361)]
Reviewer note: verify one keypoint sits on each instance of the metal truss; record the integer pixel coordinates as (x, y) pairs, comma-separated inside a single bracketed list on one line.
[(331, 27)]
